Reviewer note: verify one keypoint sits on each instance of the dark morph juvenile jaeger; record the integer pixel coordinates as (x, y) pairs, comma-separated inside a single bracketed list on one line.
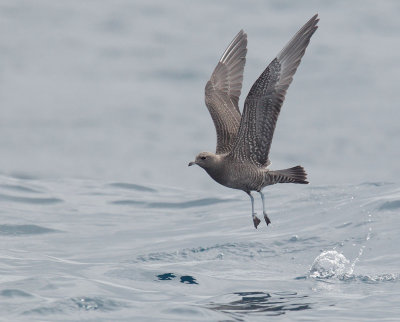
[(243, 141)]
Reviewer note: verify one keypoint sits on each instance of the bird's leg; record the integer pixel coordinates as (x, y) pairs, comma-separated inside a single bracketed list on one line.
[(264, 212), (256, 220)]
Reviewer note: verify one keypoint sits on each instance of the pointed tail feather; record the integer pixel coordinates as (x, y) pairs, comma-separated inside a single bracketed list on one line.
[(296, 174)]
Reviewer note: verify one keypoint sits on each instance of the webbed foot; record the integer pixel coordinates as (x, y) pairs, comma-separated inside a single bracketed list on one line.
[(267, 220), (256, 220)]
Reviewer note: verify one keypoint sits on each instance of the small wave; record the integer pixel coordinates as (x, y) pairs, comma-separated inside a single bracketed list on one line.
[(18, 188), (14, 293), (23, 176), (127, 202), (390, 205), (173, 205), (17, 230), (379, 278), (95, 303), (77, 303), (29, 200), (188, 204), (272, 304), (344, 225), (132, 186), (214, 252), (46, 310), (309, 241), (376, 184), (369, 279)]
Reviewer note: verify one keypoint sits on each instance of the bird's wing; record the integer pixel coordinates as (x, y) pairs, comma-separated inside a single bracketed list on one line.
[(264, 101), (223, 90)]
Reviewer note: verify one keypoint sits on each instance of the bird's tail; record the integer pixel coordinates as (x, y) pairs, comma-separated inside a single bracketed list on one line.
[(296, 174)]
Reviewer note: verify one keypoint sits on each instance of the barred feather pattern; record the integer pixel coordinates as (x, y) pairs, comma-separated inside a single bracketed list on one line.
[(223, 90), (296, 174), (264, 101)]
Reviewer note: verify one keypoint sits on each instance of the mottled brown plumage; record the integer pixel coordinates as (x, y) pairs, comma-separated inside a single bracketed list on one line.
[(223, 90), (244, 142)]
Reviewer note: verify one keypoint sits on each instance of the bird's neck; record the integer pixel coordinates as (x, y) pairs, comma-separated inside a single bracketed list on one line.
[(216, 169)]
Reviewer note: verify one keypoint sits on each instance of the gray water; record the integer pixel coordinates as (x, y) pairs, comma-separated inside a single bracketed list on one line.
[(101, 109)]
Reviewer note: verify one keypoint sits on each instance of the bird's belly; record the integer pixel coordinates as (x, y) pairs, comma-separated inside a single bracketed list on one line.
[(240, 177)]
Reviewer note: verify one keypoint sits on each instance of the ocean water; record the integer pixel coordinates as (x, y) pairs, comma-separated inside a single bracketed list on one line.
[(101, 109), (93, 250)]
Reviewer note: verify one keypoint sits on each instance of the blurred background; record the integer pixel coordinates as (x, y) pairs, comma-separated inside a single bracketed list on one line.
[(102, 102), (114, 90)]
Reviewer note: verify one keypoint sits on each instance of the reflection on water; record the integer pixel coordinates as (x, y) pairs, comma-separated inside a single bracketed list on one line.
[(277, 303)]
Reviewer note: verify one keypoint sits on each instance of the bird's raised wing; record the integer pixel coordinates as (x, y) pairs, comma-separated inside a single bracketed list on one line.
[(264, 101), (223, 90)]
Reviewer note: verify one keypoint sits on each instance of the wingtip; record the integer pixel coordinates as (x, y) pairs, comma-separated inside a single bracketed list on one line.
[(243, 34), (313, 20), (316, 18), (238, 42)]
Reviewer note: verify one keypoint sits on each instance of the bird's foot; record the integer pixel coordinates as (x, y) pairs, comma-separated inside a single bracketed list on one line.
[(267, 220), (256, 220)]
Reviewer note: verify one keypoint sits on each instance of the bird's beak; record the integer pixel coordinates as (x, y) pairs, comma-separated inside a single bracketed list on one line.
[(191, 163)]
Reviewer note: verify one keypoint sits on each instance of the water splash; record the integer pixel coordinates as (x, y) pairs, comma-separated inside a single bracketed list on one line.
[(330, 264)]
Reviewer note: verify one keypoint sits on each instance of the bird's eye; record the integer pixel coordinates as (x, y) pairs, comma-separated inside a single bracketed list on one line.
[(203, 158)]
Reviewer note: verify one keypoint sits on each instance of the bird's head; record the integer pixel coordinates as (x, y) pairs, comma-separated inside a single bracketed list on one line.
[(206, 160)]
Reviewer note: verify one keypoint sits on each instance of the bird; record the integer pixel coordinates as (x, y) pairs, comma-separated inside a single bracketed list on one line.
[(241, 160)]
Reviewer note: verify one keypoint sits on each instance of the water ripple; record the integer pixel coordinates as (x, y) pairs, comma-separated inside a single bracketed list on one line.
[(77, 303), (19, 188), (127, 202), (189, 204), (173, 205), (390, 205), (131, 186), (378, 278), (17, 230), (29, 200), (95, 303), (218, 251), (272, 304), (14, 293)]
